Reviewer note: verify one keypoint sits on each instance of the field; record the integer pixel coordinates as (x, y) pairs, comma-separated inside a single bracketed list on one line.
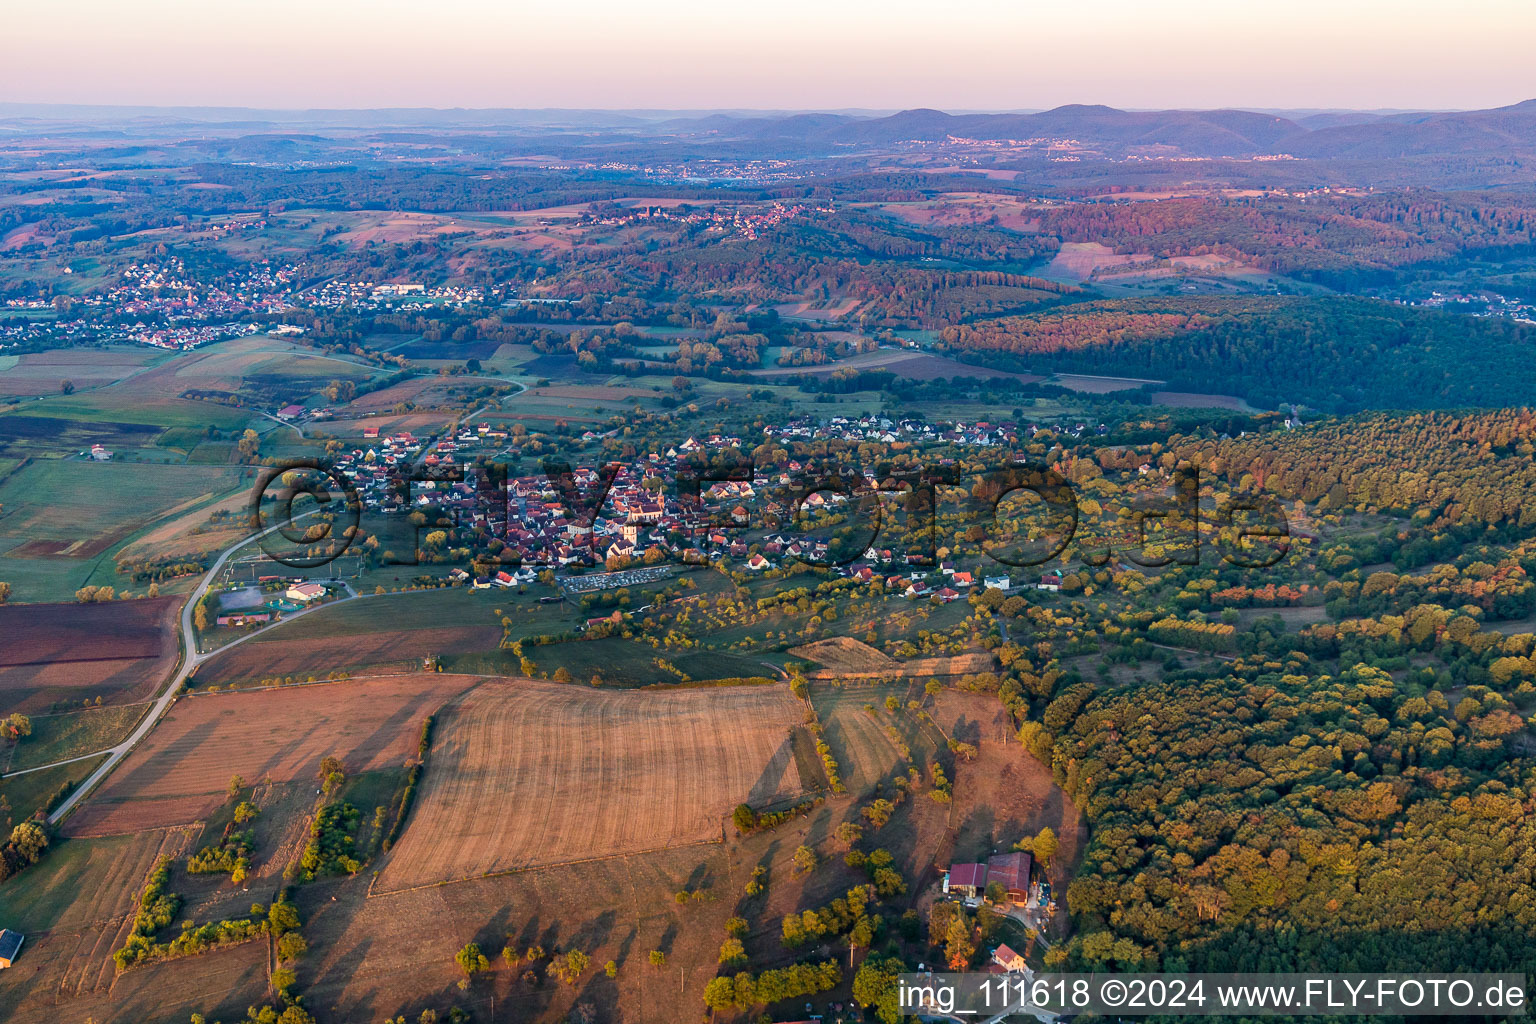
[(843, 657), (72, 734), (523, 773), (908, 363), (73, 909), (628, 663), (372, 957), (179, 773), (119, 651), (25, 794), (60, 519), (42, 373), (864, 751), (1005, 793), (842, 654)]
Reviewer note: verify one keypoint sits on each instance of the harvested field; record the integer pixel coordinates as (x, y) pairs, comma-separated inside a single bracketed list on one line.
[(119, 651), (371, 957), (953, 665), (843, 657), (845, 654), (284, 655), (524, 773), (33, 634), (179, 773), (40, 373)]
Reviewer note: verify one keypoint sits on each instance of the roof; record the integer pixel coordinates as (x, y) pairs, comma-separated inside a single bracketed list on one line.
[(10, 944), (1011, 869), (968, 874)]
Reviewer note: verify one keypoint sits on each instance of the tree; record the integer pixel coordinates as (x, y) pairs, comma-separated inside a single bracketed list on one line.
[(1045, 846), (66, 386), (236, 784), (874, 986), (5, 592), (16, 726), (248, 445), (200, 616), (611, 968), (658, 959), (291, 946), (805, 859), (732, 953), (848, 833), (30, 840), (744, 818), (470, 960), (959, 942), (283, 979), (570, 967)]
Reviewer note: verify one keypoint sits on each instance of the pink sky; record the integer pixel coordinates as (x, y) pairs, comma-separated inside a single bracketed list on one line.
[(790, 54)]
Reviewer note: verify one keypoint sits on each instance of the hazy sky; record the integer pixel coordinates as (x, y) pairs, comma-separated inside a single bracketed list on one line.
[(979, 54)]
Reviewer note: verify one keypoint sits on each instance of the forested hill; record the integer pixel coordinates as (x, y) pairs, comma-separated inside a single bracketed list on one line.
[(1281, 819), (1327, 353)]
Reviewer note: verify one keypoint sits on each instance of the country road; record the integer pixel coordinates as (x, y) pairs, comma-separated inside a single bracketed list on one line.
[(192, 657)]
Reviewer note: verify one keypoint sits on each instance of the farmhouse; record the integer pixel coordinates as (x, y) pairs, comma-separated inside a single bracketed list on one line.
[(289, 412), (304, 593), (1011, 871), (100, 454), (10, 946)]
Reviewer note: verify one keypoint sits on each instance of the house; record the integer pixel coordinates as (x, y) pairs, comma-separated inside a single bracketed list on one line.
[(289, 412), (962, 579), (1002, 583), (1050, 581), (100, 454), (10, 946), (304, 593), (1011, 871), (757, 563), (1007, 959), (370, 432), (968, 880), (482, 583)]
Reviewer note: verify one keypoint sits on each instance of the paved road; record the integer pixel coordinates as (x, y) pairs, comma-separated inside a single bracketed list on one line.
[(191, 659)]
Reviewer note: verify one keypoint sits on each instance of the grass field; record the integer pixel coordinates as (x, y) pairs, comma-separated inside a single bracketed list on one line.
[(73, 733), (59, 519), (27, 794), (179, 773), (864, 751), (523, 773), (628, 663)]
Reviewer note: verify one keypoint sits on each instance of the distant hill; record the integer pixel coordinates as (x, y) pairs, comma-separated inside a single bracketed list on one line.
[(1195, 133), (1500, 133)]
